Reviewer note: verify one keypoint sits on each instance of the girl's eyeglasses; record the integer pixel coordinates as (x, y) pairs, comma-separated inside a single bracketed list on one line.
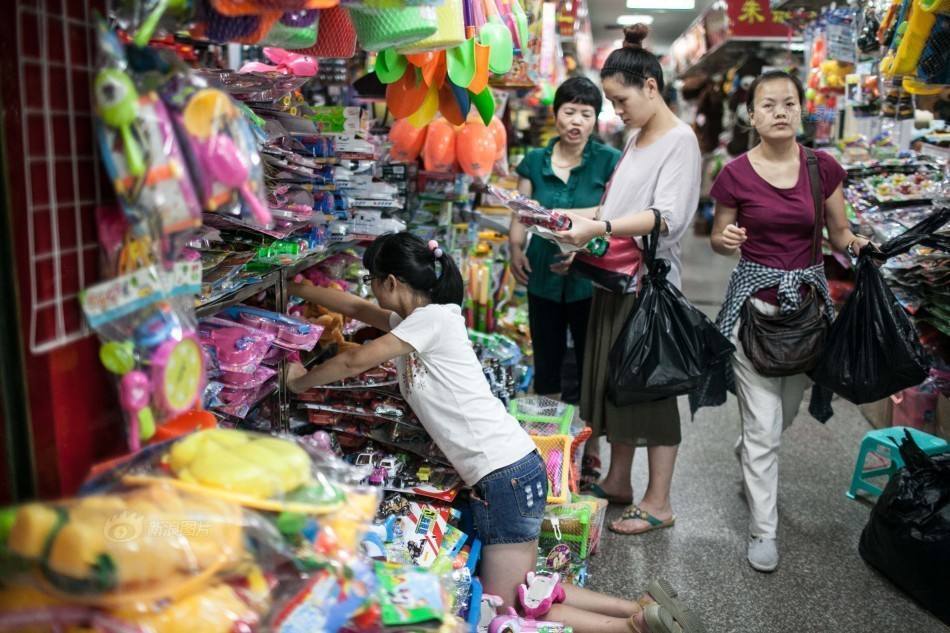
[(368, 279)]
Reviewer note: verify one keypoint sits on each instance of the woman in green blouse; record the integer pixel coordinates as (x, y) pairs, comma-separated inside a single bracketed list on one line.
[(570, 173)]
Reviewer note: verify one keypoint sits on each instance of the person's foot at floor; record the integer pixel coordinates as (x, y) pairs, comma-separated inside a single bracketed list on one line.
[(763, 553), (613, 493), (643, 517)]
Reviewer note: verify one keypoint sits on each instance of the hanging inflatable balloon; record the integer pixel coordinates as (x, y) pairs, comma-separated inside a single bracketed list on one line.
[(500, 135), (407, 141), (475, 148), (438, 153)]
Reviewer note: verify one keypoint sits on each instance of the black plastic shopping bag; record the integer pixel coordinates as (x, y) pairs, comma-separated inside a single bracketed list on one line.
[(873, 349), (667, 345), (907, 537)]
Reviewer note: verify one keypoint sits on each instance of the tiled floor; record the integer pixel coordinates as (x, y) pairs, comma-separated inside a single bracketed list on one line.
[(822, 584)]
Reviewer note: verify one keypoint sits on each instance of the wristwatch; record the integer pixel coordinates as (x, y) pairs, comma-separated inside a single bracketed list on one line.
[(609, 229), (851, 249)]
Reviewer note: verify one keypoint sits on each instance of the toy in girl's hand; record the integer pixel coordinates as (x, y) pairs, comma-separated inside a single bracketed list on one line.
[(116, 103)]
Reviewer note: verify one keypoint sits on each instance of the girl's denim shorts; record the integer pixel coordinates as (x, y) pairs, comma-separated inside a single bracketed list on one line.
[(508, 504)]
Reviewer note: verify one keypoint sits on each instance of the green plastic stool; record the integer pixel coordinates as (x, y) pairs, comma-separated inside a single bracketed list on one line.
[(889, 439)]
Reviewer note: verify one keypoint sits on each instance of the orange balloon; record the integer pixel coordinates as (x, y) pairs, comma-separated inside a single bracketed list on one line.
[(438, 154), (501, 137), (407, 141), (475, 147)]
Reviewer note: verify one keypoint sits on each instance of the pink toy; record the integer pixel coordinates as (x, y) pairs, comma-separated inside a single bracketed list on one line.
[(541, 591), (241, 380), (236, 348), (222, 161), (288, 63), (290, 333), (512, 623), (135, 391), (553, 465)]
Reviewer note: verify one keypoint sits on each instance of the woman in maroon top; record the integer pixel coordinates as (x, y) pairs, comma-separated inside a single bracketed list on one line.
[(765, 211)]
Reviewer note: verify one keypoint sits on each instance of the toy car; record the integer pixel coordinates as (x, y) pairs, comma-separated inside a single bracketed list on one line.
[(390, 465), (424, 473)]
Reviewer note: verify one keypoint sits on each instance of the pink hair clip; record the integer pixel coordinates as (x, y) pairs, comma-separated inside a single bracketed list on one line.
[(434, 247)]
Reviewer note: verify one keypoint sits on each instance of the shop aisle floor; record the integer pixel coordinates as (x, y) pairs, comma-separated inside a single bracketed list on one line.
[(822, 584)]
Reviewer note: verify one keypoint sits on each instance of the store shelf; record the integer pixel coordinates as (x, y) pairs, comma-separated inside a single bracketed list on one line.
[(237, 296), (731, 52), (269, 280), (791, 5)]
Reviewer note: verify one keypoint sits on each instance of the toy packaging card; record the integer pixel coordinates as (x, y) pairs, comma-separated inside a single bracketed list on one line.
[(409, 598), (420, 533)]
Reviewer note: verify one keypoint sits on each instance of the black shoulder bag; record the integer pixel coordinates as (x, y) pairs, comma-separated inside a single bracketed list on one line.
[(788, 344)]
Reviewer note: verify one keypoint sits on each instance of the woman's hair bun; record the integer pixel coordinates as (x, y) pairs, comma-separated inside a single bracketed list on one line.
[(633, 36)]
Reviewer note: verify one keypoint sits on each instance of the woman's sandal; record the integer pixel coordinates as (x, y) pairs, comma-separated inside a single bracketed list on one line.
[(635, 512), (600, 493), (665, 595)]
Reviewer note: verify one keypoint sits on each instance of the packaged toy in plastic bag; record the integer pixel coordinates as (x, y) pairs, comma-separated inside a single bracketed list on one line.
[(314, 498), (873, 348), (142, 154), (222, 152), (153, 559), (146, 322)]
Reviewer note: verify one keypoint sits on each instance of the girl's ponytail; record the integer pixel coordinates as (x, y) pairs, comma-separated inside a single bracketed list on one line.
[(448, 286), (425, 267)]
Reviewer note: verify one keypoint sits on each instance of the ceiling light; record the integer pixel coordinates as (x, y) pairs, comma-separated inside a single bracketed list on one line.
[(629, 20), (661, 4)]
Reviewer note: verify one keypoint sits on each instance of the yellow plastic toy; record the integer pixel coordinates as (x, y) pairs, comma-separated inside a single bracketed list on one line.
[(253, 470), (133, 548), (912, 35)]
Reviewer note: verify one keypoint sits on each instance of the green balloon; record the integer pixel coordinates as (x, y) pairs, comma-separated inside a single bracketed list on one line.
[(118, 357)]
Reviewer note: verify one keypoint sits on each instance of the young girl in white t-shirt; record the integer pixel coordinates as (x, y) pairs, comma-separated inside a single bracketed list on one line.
[(419, 290)]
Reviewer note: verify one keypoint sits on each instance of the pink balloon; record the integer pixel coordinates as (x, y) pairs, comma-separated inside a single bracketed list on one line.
[(439, 152), (476, 150)]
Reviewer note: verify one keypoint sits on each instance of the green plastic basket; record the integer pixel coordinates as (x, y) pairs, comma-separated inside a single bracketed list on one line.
[(566, 529), (542, 416), (379, 29)]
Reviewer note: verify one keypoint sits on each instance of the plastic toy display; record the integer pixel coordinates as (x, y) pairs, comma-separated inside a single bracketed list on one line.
[(148, 334), (152, 558)]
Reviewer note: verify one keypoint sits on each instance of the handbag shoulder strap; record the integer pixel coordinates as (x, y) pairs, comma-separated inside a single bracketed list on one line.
[(814, 177)]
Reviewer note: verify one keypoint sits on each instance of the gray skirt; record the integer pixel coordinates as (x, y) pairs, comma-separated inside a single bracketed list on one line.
[(643, 424)]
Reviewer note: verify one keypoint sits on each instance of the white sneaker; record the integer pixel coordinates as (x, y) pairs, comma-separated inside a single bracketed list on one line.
[(763, 553)]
